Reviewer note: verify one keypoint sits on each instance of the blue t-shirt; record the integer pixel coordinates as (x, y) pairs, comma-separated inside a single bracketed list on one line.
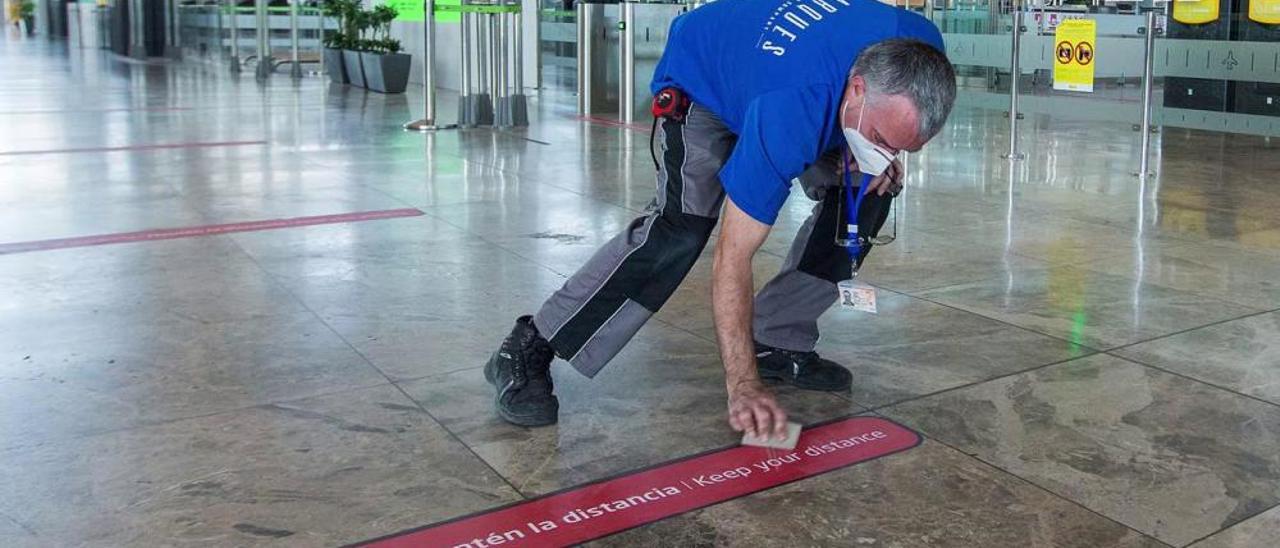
[(774, 71)]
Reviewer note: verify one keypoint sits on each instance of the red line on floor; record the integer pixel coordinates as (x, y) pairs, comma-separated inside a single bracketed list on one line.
[(609, 506), (207, 230), (614, 123), (134, 147)]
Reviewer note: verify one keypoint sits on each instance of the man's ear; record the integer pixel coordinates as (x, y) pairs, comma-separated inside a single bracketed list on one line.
[(857, 87), (854, 92)]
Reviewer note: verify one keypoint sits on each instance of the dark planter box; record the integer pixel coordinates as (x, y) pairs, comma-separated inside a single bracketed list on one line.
[(335, 67), (386, 72), (355, 71)]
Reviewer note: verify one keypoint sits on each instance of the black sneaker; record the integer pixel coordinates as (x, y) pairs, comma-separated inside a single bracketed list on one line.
[(801, 369), (521, 371)]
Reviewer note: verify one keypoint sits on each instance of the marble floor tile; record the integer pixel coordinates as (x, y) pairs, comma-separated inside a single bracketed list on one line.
[(1086, 307), (928, 496), (1210, 269), (70, 374), (1170, 457), (254, 206), (1262, 241), (1241, 355), (315, 472), (660, 399), (538, 210), (690, 306), (204, 280), (920, 261), (912, 347), (87, 217), (1260, 531)]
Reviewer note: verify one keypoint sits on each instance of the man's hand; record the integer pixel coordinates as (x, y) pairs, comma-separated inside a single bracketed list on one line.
[(754, 410), (890, 181)]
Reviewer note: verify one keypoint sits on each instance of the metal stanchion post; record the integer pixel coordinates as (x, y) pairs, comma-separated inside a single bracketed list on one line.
[(217, 33), (235, 37), (484, 68), (533, 18), (428, 121), (1148, 63), (467, 109), (296, 71), (1015, 73), (137, 42), (495, 61), (502, 66), (627, 62), (172, 43), (264, 40), (481, 50), (586, 24), (519, 104)]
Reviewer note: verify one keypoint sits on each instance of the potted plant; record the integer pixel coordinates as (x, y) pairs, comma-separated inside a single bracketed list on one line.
[(335, 42), (27, 12), (386, 70), (357, 23)]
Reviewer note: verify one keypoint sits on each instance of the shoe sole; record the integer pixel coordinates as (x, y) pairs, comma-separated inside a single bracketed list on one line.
[(527, 421), (783, 378)]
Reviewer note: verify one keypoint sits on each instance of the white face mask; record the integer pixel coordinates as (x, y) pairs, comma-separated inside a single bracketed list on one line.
[(872, 160)]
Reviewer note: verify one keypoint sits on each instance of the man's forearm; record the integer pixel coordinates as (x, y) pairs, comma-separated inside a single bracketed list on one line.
[(731, 301)]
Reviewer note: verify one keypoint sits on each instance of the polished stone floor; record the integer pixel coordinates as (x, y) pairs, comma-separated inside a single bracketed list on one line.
[(1093, 359)]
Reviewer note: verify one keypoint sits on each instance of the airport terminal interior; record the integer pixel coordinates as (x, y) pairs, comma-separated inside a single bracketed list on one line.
[(241, 305)]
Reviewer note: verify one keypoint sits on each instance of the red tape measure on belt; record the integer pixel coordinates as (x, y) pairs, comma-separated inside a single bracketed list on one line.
[(671, 103)]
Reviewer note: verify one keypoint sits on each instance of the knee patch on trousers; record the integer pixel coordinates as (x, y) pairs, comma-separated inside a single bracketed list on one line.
[(674, 244), (648, 275)]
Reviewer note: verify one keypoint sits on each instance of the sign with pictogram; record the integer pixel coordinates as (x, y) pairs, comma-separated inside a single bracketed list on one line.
[(1074, 55), (1066, 51)]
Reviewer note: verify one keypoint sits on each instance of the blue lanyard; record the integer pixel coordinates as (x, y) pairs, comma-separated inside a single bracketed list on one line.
[(853, 204)]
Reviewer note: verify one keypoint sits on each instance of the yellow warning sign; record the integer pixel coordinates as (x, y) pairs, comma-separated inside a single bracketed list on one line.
[(1074, 53), (1195, 12), (1266, 12)]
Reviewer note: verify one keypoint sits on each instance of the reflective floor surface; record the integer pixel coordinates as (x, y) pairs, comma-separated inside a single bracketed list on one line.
[(1092, 358)]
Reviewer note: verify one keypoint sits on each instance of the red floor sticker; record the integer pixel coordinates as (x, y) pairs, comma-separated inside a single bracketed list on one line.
[(207, 230), (613, 505)]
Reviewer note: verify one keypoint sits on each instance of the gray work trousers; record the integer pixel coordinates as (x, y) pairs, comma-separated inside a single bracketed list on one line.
[(606, 302)]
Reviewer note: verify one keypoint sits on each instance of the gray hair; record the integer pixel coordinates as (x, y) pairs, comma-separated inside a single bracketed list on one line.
[(915, 69)]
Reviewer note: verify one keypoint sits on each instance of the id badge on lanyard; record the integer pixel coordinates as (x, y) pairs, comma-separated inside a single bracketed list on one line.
[(850, 293), (853, 242)]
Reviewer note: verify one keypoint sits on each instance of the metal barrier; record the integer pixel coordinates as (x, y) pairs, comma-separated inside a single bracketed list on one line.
[(1129, 47), (492, 80), (290, 35), (619, 46), (1120, 57)]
